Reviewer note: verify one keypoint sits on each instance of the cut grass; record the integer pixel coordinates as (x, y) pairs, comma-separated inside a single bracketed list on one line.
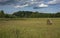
[(29, 28)]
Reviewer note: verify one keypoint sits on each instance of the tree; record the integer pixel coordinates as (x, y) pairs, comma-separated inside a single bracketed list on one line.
[(57, 14), (2, 14), (9, 16), (23, 14)]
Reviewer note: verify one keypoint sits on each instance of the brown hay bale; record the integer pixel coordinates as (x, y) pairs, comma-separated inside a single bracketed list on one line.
[(49, 22)]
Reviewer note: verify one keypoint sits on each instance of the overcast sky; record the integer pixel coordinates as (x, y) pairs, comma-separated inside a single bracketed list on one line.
[(49, 6)]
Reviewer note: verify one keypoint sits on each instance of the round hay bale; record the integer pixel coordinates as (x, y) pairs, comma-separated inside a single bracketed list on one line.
[(49, 22)]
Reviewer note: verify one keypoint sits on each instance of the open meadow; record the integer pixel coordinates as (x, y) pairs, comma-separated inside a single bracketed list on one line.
[(29, 28)]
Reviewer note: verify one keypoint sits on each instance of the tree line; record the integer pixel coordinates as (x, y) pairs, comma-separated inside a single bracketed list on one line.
[(29, 14)]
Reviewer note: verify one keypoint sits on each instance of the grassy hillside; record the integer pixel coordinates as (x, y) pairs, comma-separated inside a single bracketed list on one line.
[(29, 28)]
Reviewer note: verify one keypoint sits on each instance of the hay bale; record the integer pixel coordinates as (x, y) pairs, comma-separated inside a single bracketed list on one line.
[(49, 22)]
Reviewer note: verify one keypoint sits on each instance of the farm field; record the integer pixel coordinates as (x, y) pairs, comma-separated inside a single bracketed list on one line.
[(29, 28)]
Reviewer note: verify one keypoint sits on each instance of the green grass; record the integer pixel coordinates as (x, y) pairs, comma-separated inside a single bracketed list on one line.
[(29, 28)]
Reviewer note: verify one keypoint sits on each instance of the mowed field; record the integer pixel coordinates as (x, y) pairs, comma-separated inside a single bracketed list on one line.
[(29, 28)]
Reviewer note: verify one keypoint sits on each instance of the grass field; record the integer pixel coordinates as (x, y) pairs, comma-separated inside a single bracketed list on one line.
[(29, 28)]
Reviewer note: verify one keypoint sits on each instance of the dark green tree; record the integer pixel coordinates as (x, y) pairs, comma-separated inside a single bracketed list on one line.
[(2, 15), (57, 14)]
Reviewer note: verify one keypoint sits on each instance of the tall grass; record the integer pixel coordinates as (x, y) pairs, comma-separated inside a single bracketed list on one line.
[(29, 28)]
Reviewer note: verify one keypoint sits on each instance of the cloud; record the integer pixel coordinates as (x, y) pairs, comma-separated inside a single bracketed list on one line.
[(32, 0), (3, 0), (42, 5), (37, 0), (20, 6), (32, 3), (54, 2), (7, 2)]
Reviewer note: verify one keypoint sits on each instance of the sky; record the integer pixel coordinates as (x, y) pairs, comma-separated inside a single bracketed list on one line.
[(45, 6)]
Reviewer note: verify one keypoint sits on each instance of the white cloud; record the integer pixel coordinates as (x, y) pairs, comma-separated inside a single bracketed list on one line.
[(20, 6), (32, 3), (32, 0), (35, 3), (54, 2), (42, 5)]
